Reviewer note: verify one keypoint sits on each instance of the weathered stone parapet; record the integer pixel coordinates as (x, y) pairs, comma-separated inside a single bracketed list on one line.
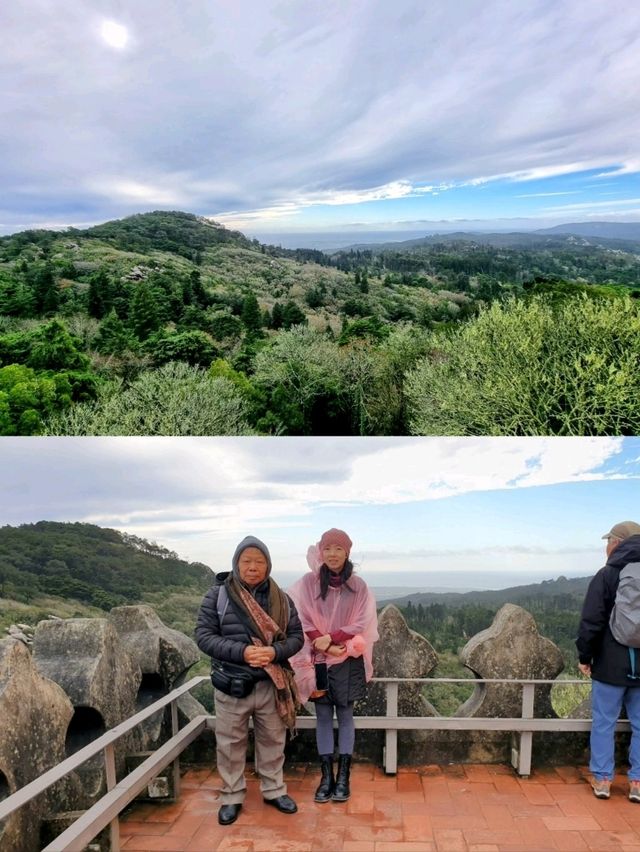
[(164, 657), (510, 648), (34, 714), (400, 652), (156, 648), (86, 658)]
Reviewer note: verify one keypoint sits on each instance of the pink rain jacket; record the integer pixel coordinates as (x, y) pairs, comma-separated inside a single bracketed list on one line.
[(350, 607)]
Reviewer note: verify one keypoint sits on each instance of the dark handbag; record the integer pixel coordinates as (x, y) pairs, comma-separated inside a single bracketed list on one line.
[(233, 680)]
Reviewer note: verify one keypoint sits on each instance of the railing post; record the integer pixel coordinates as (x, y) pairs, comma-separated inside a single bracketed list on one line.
[(110, 774), (526, 737), (391, 734), (175, 766)]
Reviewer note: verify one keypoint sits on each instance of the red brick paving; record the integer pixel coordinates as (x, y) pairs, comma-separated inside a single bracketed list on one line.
[(423, 809)]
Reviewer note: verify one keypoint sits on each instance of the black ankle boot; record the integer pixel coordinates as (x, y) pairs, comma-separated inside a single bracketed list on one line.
[(327, 781), (342, 792)]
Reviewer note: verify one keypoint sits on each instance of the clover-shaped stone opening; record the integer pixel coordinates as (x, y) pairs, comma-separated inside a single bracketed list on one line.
[(152, 687)]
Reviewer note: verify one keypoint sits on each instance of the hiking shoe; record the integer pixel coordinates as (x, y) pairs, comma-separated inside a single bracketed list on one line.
[(634, 791), (602, 788)]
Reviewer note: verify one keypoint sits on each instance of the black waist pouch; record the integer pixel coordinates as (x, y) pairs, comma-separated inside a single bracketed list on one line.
[(231, 679)]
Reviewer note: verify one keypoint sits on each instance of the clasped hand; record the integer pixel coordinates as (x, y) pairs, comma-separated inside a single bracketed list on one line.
[(259, 655), (324, 644)]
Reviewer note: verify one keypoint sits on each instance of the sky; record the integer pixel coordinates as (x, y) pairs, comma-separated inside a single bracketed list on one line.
[(423, 513), (275, 115)]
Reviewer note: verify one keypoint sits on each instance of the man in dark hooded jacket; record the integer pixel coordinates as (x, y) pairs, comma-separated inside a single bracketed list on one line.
[(610, 664), (250, 628)]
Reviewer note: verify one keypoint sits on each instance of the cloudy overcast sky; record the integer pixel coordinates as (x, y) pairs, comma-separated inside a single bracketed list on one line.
[(279, 115), (422, 512)]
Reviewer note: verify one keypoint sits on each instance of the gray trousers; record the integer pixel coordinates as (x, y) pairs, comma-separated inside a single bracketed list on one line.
[(232, 729)]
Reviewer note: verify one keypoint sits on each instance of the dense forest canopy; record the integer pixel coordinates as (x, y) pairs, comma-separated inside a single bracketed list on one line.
[(236, 337)]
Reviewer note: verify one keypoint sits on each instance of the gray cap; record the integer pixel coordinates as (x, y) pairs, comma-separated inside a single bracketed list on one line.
[(252, 541), (623, 530)]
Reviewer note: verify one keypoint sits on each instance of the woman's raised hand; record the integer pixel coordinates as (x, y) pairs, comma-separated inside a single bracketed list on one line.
[(322, 643)]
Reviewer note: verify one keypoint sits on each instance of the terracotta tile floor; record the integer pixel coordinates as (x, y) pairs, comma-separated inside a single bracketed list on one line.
[(422, 809)]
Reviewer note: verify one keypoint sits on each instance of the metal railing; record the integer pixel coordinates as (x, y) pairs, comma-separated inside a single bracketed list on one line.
[(120, 793)]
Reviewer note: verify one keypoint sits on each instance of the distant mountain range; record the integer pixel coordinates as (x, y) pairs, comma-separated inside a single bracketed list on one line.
[(574, 588), (611, 230), (623, 236)]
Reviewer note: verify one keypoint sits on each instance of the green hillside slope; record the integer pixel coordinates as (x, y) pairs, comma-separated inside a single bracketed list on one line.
[(91, 566)]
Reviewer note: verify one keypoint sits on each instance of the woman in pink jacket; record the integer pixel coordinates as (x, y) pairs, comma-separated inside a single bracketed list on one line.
[(338, 614)]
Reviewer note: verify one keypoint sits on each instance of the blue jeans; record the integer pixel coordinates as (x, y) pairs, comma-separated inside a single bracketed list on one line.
[(606, 703)]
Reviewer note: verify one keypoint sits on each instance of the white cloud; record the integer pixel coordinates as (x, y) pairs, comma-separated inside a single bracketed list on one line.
[(547, 194), (272, 106), (621, 202), (134, 192), (188, 485)]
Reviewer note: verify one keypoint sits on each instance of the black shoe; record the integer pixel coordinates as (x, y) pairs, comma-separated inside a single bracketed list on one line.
[(342, 792), (327, 781), (228, 814), (284, 804)]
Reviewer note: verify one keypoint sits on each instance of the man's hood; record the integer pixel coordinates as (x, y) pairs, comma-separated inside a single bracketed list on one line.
[(627, 551)]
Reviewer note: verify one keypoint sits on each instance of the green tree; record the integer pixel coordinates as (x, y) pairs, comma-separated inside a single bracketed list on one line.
[(113, 337), (192, 347), (26, 399), (175, 399), (144, 316), (46, 291), (53, 348), (198, 292), (277, 315), (224, 325), (532, 368), (16, 299), (302, 370), (251, 315), (292, 315), (99, 300)]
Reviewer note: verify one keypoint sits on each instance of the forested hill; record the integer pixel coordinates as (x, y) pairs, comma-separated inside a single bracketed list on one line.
[(568, 591), (99, 567), (181, 233)]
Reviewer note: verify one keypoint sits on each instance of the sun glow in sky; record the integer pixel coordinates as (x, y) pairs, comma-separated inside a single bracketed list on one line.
[(115, 35), (272, 116)]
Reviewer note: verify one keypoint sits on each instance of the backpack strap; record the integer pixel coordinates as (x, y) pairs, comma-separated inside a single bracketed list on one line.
[(632, 661), (222, 603)]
